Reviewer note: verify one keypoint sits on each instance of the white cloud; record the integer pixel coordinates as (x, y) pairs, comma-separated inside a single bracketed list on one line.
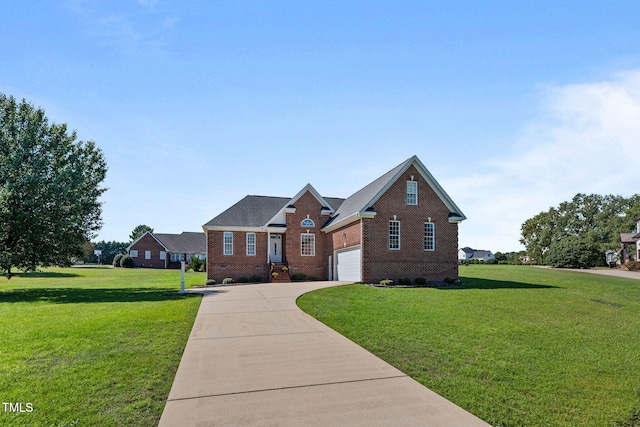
[(585, 142)]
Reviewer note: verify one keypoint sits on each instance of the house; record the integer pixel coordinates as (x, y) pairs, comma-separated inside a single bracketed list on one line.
[(162, 250), (467, 253), (631, 239), (403, 224)]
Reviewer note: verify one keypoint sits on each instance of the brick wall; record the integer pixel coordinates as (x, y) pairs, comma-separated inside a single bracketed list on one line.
[(313, 266), (220, 266), (148, 243), (411, 260)]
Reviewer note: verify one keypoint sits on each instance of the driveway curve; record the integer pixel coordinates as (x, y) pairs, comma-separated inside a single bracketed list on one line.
[(255, 359)]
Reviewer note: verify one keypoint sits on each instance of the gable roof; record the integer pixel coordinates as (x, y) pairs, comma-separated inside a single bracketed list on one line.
[(360, 203), (186, 242), (261, 211)]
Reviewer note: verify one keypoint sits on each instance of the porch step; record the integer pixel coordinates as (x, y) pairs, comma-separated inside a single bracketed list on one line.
[(283, 275)]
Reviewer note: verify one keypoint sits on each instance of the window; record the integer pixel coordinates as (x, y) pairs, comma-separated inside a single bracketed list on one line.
[(134, 253), (412, 193), (308, 244), (163, 255), (228, 243), (394, 235), (307, 223), (251, 244), (147, 254), (429, 236), (176, 257)]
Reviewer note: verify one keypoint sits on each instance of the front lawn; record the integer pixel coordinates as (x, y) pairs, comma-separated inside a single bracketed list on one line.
[(514, 345), (91, 346)]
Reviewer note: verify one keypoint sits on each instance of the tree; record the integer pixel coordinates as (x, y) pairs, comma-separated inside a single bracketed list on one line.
[(574, 252), (139, 231), (49, 189), (598, 218)]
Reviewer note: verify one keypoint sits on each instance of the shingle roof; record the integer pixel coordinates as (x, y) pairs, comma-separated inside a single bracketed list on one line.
[(187, 242), (251, 211), (629, 237), (359, 200), (257, 211)]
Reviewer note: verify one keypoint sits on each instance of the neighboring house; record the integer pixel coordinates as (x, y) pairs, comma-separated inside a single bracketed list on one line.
[(467, 253), (161, 250), (631, 239), (403, 224)]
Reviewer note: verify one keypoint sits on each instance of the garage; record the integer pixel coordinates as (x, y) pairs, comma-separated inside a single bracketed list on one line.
[(348, 264)]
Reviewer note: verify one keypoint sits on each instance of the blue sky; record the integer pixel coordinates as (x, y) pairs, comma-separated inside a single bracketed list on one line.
[(514, 107)]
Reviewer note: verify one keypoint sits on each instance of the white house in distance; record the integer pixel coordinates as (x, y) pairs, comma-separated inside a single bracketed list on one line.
[(466, 254)]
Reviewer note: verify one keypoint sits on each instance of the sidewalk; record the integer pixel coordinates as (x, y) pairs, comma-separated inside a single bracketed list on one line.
[(255, 359)]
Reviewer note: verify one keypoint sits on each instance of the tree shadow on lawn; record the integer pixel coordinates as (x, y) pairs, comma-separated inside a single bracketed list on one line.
[(44, 274), (469, 283), (88, 295)]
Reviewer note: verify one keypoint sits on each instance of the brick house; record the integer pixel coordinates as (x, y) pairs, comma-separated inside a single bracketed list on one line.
[(403, 224), (162, 250), (628, 239)]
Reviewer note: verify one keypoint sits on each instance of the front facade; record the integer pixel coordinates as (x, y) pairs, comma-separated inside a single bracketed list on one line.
[(401, 225), (163, 250)]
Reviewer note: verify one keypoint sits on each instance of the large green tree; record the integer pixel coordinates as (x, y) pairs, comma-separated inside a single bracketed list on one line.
[(49, 189), (139, 231), (598, 218)]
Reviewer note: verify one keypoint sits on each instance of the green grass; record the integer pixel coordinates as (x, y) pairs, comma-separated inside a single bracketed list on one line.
[(516, 346), (92, 346)]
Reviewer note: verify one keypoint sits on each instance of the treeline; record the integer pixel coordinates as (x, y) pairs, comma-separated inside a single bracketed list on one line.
[(580, 231), (109, 251)]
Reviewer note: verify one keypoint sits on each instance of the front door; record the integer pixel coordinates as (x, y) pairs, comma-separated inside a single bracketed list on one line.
[(276, 248)]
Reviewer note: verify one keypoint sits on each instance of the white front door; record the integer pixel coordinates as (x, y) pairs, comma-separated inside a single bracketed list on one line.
[(276, 248)]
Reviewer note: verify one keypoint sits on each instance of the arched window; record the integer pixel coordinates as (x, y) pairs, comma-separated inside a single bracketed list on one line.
[(307, 222)]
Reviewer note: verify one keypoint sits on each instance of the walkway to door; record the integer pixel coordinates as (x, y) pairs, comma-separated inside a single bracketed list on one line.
[(254, 358)]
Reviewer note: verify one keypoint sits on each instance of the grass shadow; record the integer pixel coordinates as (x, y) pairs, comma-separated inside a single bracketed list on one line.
[(88, 295), (470, 283), (44, 274)]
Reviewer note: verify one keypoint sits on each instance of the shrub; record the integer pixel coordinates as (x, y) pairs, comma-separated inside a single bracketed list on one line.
[(420, 281), (210, 282), (116, 260), (243, 279), (126, 262), (386, 282), (633, 265), (573, 252), (255, 279), (405, 281), (492, 261), (299, 277), (196, 263), (227, 281)]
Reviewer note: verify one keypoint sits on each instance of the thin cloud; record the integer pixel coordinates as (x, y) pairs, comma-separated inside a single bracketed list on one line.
[(583, 143)]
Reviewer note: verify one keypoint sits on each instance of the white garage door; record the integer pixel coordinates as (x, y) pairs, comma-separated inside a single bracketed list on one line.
[(348, 265)]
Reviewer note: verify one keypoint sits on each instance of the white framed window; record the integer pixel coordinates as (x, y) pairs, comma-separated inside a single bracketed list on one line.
[(147, 254), (394, 235), (133, 253), (251, 244), (412, 192), (308, 244), (175, 257), (163, 255), (429, 236), (307, 222), (228, 243)]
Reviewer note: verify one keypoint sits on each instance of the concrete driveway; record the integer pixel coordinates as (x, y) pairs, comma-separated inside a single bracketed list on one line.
[(255, 359)]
